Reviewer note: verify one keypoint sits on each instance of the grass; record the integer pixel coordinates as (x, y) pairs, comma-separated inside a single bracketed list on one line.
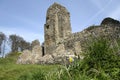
[(14, 71), (9, 70)]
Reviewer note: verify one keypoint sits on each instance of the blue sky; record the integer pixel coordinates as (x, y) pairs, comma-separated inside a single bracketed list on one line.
[(26, 18)]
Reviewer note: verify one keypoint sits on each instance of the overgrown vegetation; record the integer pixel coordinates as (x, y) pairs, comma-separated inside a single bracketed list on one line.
[(101, 62)]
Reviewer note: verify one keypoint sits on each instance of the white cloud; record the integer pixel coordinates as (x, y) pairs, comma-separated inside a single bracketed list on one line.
[(97, 3), (27, 21), (24, 20), (115, 14), (99, 12), (27, 35), (32, 36)]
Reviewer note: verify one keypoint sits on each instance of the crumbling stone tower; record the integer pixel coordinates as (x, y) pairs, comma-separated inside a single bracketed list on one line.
[(57, 27)]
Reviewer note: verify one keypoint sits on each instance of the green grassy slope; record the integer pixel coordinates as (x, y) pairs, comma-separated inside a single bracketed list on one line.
[(11, 71)]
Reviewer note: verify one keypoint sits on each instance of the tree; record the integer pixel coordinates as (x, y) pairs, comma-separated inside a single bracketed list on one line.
[(2, 44), (18, 43)]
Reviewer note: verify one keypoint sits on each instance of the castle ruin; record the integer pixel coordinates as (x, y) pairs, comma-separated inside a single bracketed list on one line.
[(61, 42)]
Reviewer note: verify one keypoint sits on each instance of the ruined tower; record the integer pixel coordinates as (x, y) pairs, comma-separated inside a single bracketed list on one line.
[(57, 26)]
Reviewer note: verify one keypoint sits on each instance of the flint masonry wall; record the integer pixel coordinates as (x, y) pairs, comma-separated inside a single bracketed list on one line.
[(77, 41), (58, 31), (57, 26)]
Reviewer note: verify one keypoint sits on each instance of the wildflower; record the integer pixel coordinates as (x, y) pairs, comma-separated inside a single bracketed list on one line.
[(71, 59)]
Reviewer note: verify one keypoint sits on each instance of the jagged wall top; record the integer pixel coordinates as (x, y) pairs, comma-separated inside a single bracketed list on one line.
[(57, 8), (109, 20)]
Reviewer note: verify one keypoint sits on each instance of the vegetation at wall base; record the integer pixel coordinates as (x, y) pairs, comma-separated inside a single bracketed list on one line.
[(101, 62)]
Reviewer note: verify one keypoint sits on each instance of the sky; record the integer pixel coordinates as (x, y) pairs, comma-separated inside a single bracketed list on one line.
[(26, 18)]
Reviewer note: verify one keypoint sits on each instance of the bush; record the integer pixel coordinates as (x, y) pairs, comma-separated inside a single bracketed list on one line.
[(101, 62)]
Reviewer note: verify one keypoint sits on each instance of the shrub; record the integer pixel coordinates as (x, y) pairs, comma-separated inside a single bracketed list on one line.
[(100, 62)]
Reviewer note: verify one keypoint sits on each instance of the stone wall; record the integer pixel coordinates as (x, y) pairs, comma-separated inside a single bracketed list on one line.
[(57, 26), (59, 32), (31, 56), (77, 41)]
